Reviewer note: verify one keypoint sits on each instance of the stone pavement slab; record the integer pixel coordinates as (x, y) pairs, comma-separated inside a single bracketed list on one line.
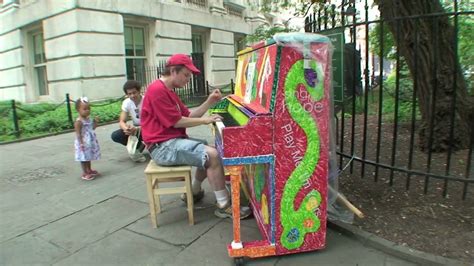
[(89, 225), (173, 224), (87, 193), (211, 248), (46, 200), (124, 248), (29, 249), (20, 220)]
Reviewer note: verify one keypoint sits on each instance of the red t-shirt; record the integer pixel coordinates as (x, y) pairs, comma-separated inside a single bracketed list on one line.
[(161, 109)]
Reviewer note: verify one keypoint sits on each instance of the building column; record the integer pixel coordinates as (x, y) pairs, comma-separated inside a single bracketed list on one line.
[(85, 54), (172, 38), (12, 67), (222, 58)]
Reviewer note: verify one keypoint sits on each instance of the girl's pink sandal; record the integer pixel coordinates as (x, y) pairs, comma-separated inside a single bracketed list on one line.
[(88, 177), (94, 172)]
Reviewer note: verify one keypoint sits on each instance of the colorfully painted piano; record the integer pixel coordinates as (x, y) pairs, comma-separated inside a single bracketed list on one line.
[(274, 143)]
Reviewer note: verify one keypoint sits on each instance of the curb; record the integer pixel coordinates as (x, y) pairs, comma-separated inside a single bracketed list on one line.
[(404, 252)]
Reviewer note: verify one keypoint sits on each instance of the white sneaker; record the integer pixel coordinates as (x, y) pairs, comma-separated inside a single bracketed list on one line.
[(138, 158)]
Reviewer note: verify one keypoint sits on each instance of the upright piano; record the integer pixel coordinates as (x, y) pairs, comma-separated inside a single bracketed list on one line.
[(274, 143)]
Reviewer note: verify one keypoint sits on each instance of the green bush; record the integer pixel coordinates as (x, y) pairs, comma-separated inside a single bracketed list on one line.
[(405, 84), (41, 119), (405, 104)]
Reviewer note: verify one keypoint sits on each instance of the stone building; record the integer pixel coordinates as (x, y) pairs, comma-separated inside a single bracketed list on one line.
[(90, 47)]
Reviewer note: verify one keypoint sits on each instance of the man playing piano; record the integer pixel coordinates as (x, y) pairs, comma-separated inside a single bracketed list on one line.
[(164, 120)]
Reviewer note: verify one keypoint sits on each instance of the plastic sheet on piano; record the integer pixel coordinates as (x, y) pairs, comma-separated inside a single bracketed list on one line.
[(277, 143)]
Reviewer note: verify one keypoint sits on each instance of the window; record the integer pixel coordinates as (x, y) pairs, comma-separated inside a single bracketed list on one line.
[(233, 11), (197, 3), (197, 43), (198, 81), (39, 63), (234, 7), (135, 54), (239, 45)]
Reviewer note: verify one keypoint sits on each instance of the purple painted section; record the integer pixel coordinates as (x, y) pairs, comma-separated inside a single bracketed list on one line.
[(310, 76), (246, 111)]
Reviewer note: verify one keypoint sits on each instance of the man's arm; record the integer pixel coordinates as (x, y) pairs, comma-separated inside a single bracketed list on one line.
[(123, 120), (196, 121), (200, 110), (127, 129), (213, 98)]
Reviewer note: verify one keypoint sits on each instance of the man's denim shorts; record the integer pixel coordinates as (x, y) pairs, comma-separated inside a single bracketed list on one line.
[(181, 152)]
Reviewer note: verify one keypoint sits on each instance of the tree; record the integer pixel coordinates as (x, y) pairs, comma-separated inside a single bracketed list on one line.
[(431, 57), (428, 47)]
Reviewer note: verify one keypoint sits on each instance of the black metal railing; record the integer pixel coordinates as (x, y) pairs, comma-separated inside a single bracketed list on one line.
[(413, 120), (19, 121), (25, 121), (191, 94)]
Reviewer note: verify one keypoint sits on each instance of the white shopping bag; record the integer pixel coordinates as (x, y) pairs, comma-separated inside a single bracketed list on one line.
[(132, 143)]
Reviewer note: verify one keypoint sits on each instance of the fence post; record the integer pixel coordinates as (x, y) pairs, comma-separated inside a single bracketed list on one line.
[(232, 86), (69, 112), (15, 120)]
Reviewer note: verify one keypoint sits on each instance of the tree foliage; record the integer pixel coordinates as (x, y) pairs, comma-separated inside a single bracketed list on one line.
[(264, 32), (465, 37)]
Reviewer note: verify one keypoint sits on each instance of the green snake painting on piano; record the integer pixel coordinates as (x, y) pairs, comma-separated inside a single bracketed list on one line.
[(297, 222)]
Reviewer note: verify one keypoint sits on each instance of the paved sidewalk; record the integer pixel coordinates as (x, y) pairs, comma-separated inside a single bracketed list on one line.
[(48, 215)]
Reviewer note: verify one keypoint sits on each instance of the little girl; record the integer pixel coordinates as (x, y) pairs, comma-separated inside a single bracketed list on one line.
[(86, 144)]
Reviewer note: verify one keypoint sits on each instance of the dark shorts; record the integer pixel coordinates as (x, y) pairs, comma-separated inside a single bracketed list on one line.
[(181, 152)]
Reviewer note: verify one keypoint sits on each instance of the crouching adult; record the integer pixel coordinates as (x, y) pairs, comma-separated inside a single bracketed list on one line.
[(131, 108)]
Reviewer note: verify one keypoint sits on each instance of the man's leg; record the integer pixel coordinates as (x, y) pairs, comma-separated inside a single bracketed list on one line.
[(119, 137), (199, 177), (215, 174), (214, 170), (192, 152), (140, 146)]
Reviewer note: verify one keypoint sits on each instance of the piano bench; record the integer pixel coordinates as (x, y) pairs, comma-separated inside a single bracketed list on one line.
[(156, 174)]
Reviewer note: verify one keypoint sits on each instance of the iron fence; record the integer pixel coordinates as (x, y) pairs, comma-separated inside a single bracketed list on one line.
[(406, 115), (192, 94), (19, 121)]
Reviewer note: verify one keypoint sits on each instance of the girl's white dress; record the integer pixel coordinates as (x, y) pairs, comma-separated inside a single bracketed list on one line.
[(91, 149)]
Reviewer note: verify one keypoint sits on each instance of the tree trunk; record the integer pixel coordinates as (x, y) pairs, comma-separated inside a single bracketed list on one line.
[(427, 44)]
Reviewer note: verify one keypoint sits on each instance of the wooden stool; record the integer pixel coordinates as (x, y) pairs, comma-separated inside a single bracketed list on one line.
[(156, 174)]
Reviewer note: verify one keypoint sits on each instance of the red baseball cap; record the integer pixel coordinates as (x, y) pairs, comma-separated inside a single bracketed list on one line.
[(182, 59)]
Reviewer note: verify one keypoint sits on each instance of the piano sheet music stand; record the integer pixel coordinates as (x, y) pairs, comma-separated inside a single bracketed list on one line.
[(275, 140)]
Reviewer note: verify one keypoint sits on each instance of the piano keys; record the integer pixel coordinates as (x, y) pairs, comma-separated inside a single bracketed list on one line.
[(274, 141)]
